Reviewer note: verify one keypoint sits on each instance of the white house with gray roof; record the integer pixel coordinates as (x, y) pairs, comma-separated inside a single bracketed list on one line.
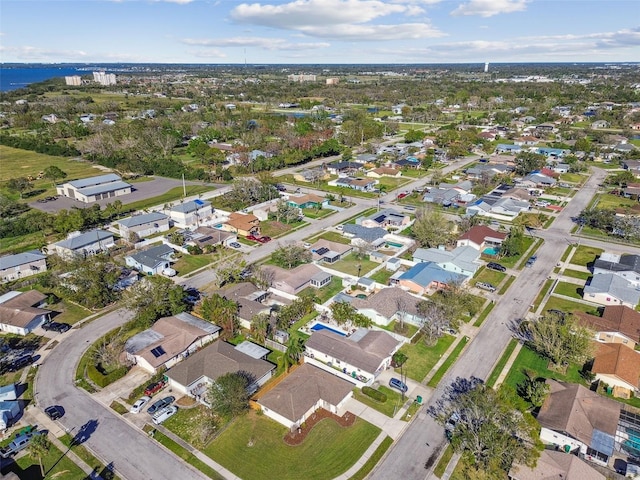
[(610, 289), (152, 261), (462, 260), (368, 234), (624, 266), (384, 219), (191, 214), (87, 243), (88, 190), (387, 305), (143, 225), (21, 265)]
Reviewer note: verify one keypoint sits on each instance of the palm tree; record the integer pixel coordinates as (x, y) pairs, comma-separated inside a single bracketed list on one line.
[(38, 448), (294, 352)]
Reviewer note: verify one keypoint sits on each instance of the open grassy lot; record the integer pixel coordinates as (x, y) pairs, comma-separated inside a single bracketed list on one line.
[(393, 183), (273, 229), (573, 178), (55, 463), (313, 213), (490, 276), (388, 408), (382, 276), (328, 450), (568, 289), (189, 263), (453, 356), (576, 274), (171, 195), (331, 236), (422, 358), (606, 200), (325, 293), (557, 303), (354, 266), (24, 163), (497, 370), (585, 255)]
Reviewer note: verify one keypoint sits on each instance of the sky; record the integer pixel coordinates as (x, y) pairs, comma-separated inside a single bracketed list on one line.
[(319, 31)]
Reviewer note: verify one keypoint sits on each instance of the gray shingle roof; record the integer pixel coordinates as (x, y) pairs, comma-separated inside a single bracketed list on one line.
[(615, 286), (367, 234), (190, 206), (10, 261), (142, 219), (97, 180), (153, 256), (84, 239)]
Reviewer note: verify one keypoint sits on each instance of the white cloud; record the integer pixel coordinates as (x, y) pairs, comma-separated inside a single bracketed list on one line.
[(366, 33), (209, 53), (262, 42), (30, 54), (489, 8)]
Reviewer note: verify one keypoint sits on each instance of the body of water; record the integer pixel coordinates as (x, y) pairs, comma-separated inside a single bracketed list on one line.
[(12, 78)]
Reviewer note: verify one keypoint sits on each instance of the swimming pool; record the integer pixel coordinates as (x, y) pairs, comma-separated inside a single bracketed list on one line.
[(491, 251), (321, 326)]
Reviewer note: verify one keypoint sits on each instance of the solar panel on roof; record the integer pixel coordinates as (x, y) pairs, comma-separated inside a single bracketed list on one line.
[(198, 202), (379, 218), (208, 237), (158, 351), (322, 251)]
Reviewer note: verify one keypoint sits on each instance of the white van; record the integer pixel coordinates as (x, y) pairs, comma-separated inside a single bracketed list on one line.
[(161, 415)]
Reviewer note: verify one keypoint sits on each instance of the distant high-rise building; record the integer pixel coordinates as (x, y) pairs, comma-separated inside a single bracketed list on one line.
[(301, 78), (486, 67), (104, 78), (73, 80)]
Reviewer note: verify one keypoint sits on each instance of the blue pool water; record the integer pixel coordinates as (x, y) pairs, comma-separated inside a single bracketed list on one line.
[(491, 251), (321, 326)]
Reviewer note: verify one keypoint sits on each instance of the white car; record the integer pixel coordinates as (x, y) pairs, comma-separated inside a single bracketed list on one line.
[(161, 415), (141, 402)]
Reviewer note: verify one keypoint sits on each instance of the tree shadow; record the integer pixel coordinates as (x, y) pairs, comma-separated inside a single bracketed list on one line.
[(85, 432), (105, 474), (33, 193)]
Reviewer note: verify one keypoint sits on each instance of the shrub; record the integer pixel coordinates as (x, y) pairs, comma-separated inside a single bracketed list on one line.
[(103, 380), (375, 394)]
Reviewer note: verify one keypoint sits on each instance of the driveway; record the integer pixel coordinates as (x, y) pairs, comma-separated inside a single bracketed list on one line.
[(109, 436)]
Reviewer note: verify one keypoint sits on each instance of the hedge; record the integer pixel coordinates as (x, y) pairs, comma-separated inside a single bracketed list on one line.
[(375, 394), (103, 380)]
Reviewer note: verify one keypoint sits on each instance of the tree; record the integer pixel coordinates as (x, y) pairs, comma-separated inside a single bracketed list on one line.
[(345, 313), (91, 280), (154, 297), (229, 396), (561, 339), (290, 256), (294, 352), (54, 173), (19, 185), (39, 447), (434, 321), (526, 162), (362, 248), (223, 312), (431, 228), (513, 245), (414, 136), (286, 213), (106, 353), (260, 327), (533, 389), (485, 424)]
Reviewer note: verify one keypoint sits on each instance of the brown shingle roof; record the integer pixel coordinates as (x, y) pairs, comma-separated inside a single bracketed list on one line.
[(242, 221), (554, 465), (615, 318), (295, 278), (576, 410), (307, 198), (301, 390), (618, 360), (478, 233), (19, 311), (386, 302), (216, 360)]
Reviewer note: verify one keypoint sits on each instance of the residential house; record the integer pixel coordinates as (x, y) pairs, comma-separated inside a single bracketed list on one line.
[(537, 179), (361, 357), (243, 224), (360, 184), (481, 237), (310, 200), (297, 279), (632, 190), (618, 324), (385, 218), (442, 196), (343, 168), (9, 407), (388, 305), (311, 175), (462, 260), (610, 289), (576, 419), (301, 393), (329, 252), (21, 265), (625, 266), (152, 261), (600, 124), (92, 189), (409, 162), (425, 276), (633, 166), (249, 299), (554, 464), (143, 225), (22, 312), (618, 366), (203, 236), (253, 350), (384, 172), (169, 341), (487, 169), (370, 235), (624, 147), (526, 141), (506, 148), (191, 214), (551, 153), (393, 264), (366, 158), (83, 244), (194, 375), (491, 206)]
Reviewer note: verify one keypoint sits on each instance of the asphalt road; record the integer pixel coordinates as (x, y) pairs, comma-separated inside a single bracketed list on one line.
[(132, 454), (414, 455)]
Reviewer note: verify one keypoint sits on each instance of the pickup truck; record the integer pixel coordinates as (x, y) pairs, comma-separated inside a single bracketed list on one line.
[(19, 443)]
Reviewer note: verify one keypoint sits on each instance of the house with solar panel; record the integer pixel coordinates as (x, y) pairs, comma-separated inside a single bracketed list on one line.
[(384, 219), (191, 214), (169, 341), (88, 190)]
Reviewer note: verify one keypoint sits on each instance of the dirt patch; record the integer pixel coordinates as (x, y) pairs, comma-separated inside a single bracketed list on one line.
[(298, 436), (186, 402)]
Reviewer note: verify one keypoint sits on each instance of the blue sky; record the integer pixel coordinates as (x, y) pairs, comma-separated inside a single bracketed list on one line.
[(319, 31)]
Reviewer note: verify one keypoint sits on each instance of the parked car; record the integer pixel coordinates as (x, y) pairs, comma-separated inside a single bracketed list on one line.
[(235, 245), (140, 403), (161, 415), (56, 327), (531, 261), (398, 384), (20, 362), (160, 404), (54, 412), (19, 443), (306, 245), (264, 239), (154, 388), (253, 238), (486, 286), (281, 188), (496, 266)]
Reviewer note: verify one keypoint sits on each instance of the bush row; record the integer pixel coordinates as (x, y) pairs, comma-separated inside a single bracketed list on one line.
[(375, 394)]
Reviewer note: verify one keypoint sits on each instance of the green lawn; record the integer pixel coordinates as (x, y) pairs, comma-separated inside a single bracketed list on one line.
[(169, 196), (485, 313), (273, 229), (354, 266), (182, 423), (331, 236), (568, 289), (606, 200), (189, 263), (313, 213), (325, 293), (382, 276), (510, 262), (393, 183), (373, 459), (443, 462), (448, 362), (328, 451), (24, 243), (573, 178), (576, 274), (584, 255), (411, 329), (506, 285), (497, 370), (388, 408), (490, 276), (542, 293), (422, 358), (56, 465), (557, 303)]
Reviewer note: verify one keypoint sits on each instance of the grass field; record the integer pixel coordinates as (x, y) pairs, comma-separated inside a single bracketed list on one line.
[(354, 266), (607, 200), (497, 370), (382, 276), (422, 358), (584, 255), (328, 450), (388, 408), (189, 263), (557, 303), (576, 274), (490, 276), (55, 463), (433, 382), (331, 236), (568, 289), (313, 213)]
